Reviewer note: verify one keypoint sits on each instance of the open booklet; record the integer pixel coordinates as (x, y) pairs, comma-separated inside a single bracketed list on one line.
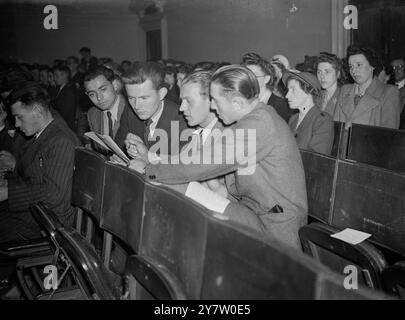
[(206, 197), (107, 143)]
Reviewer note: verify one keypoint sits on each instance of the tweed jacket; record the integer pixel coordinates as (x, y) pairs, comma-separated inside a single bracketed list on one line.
[(275, 178)]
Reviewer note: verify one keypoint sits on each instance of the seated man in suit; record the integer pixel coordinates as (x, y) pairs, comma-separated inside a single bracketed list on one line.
[(196, 107), (156, 119), (106, 116), (66, 99), (267, 185), (42, 171)]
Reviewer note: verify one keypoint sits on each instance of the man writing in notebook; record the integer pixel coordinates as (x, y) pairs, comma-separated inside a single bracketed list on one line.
[(161, 120), (196, 108)]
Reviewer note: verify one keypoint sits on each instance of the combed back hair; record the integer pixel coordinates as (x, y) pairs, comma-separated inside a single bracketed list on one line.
[(203, 78), (237, 80), (99, 71), (75, 59), (370, 54), (63, 69), (203, 65), (253, 58), (145, 71), (29, 93)]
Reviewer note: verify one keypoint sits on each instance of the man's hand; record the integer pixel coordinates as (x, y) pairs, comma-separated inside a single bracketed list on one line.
[(137, 165), (3, 193), (117, 160), (136, 148), (218, 187), (7, 161)]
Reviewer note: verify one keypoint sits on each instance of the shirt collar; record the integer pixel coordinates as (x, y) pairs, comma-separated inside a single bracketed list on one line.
[(40, 132), (205, 132), (400, 84), (155, 118), (361, 91), (302, 114), (114, 109)]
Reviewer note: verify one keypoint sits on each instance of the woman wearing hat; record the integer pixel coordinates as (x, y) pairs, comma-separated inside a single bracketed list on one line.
[(367, 101), (312, 128), (266, 76), (330, 76)]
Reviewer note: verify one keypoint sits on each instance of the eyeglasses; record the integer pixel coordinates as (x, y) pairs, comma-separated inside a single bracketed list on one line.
[(399, 67), (260, 76)]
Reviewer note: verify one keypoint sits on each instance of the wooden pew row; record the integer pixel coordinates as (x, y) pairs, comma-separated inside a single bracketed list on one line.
[(353, 195), (197, 256), (372, 200), (213, 259), (380, 147)]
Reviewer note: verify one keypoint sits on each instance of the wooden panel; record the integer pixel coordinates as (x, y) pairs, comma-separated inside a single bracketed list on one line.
[(88, 181), (238, 266), (381, 147), (337, 140), (319, 174), (371, 199), (123, 204), (174, 235)]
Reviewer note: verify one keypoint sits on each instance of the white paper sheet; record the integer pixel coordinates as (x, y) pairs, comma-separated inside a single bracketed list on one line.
[(108, 143), (351, 236), (206, 197)]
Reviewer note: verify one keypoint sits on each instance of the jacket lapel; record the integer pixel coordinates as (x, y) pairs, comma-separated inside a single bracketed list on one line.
[(307, 119)]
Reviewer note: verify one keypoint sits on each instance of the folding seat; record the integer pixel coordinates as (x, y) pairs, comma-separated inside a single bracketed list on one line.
[(394, 279), (317, 242), (88, 189), (84, 274)]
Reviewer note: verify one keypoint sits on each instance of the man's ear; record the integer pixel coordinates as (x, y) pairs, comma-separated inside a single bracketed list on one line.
[(37, 110), (238, 103), (115, 85), (267, 79), (162, 93)]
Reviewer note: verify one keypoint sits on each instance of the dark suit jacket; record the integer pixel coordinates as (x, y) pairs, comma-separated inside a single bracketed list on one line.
[(315, 132), (66, 103), (44, 173), (281, 106), (132, 124)]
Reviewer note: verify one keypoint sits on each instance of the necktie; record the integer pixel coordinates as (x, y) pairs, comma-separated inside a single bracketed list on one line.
[(147, 130), (110, 125), (357, 99)]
